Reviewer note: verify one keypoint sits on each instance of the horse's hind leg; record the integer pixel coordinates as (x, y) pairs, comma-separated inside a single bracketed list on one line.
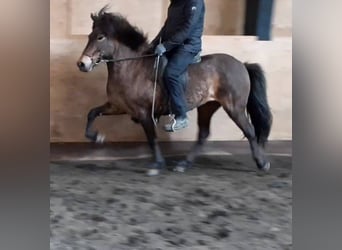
[(105, 109), (239, 116), (204, 114)]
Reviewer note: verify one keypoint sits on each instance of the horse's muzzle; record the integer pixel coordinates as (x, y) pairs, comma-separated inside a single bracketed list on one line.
[(85, 64)]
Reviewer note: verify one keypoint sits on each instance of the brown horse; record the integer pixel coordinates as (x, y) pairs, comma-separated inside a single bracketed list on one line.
[(218, 80)]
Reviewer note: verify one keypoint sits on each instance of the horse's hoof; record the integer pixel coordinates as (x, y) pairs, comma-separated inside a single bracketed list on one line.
[(100, 139), (182, 166), (155, 168), (153, 172), (179, 169), (266, 167)]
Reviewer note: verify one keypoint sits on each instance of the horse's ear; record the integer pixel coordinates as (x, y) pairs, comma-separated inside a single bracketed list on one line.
[(93, 17)]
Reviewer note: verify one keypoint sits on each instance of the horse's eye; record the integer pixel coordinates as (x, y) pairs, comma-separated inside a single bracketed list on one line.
[(101, 37)]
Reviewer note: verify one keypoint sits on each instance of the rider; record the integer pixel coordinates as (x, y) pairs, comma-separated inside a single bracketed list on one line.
[(181, 40)]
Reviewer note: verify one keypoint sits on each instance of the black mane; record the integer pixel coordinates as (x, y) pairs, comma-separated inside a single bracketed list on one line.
[(116, 26)]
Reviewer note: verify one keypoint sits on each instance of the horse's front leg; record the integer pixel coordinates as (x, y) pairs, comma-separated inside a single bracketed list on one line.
[(105, 109), (159, 162)]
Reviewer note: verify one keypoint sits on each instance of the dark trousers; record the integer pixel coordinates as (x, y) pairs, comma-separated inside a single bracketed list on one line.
[(178, 62)]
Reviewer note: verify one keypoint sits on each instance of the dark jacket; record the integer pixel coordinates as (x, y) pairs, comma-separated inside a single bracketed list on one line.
[(183, 26)]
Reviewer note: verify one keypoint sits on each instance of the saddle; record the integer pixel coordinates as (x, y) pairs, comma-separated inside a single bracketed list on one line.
[(163, 63)]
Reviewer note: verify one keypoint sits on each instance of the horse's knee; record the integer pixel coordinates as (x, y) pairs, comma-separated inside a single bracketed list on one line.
[(92, 114)]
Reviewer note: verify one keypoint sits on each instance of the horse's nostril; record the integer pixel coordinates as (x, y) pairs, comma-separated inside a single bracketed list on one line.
[(80, 64)]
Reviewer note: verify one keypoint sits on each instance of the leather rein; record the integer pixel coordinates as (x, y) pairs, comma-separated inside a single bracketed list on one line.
[(125, 59)]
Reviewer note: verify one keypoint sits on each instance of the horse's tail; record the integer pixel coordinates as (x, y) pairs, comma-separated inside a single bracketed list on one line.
[(257, 105)]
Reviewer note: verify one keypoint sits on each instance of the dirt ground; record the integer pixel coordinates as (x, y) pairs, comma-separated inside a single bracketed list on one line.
[(223, 202)]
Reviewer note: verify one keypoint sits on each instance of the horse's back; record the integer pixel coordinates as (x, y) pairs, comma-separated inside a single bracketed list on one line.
[(215, 76), (219, 65), (225, 61)]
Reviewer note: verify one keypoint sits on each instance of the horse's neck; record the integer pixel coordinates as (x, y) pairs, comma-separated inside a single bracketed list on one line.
[(123, 52), (122, 71)]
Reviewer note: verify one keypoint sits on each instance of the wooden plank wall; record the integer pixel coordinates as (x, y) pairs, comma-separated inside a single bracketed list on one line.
[(73, 93)]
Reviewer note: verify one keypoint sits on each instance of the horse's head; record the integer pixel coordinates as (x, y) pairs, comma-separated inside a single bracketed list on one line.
[(109, 31), (100, 42)]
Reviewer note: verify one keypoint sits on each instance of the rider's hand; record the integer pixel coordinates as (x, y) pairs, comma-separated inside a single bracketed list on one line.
[(160, 49)]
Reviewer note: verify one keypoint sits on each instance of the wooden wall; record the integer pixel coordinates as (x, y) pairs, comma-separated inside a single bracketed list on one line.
[(73, 93)]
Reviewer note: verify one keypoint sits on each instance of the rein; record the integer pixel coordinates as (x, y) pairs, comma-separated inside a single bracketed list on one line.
[(126, 58)]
